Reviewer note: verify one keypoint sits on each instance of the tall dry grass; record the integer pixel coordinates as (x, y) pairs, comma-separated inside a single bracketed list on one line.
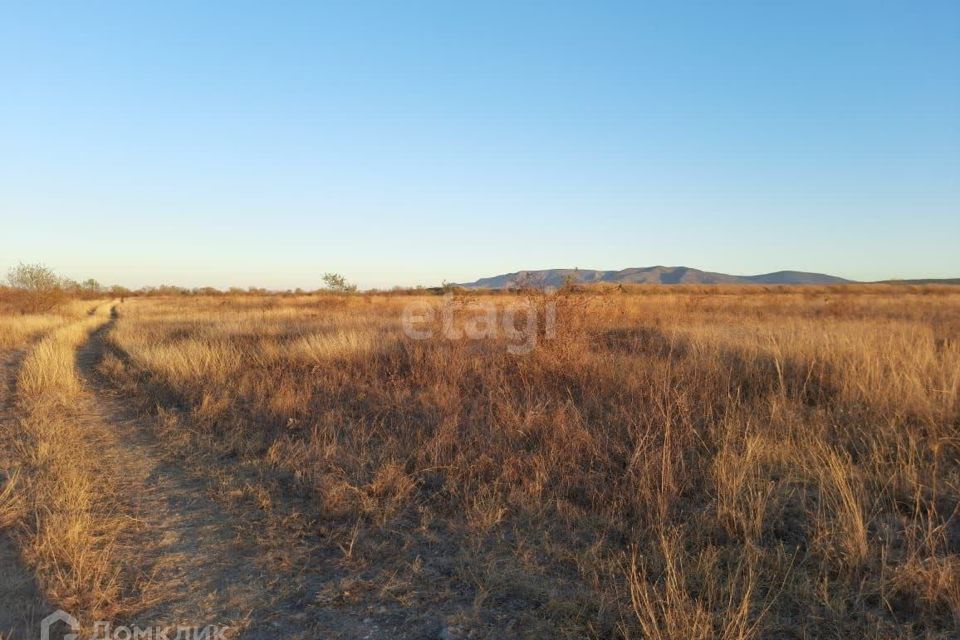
[(17, 330), (65, 526), (729, 462)]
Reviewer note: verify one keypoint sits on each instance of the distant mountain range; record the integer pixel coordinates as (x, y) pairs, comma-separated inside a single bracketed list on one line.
[(645, 275), (665, 275), (668, 275)]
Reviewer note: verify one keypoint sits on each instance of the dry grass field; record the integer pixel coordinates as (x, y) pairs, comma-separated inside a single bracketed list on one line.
[(664, 463)]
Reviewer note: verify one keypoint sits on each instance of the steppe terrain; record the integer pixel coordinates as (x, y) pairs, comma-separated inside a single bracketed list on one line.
[(655, 462)]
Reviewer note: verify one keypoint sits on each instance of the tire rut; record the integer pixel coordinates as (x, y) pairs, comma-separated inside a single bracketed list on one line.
[(195, 566), (22, 604)]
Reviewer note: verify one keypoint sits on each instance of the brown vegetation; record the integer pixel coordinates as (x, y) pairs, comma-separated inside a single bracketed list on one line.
[(67, 526), (731, 462)]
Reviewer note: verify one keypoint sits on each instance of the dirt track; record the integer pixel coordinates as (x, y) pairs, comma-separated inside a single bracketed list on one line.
[(196, 570), (192, 561)]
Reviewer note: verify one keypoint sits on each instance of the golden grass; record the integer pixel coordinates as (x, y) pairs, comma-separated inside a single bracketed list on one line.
[(16, 331), (48, 373), (321, 347), (665, 607), (66, 529), (10, 501), (703, 463)]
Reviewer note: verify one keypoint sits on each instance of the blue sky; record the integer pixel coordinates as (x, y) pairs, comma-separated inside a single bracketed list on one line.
[(256, 143)]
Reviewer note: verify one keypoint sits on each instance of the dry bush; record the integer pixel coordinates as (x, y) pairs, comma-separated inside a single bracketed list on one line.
[(722, 607), (36, 288)]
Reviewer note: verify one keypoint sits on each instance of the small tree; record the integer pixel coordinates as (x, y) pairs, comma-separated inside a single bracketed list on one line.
[(118, 291), (336, 282), (33, 277), (41, 287), (91, 286)]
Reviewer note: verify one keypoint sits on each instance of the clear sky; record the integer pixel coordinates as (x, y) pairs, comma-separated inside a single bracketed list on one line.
[(264, 143)]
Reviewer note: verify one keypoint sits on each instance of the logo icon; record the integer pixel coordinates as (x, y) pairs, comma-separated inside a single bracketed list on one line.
[(59, 616)]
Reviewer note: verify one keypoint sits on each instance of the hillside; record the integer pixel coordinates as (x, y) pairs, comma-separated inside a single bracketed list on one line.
[(646, 275)]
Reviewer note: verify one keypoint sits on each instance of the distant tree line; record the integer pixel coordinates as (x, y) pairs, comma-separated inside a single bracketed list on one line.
[(36, 287), (33, 288)]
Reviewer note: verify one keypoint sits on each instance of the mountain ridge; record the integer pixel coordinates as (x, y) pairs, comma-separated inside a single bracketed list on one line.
[(658, 274)]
